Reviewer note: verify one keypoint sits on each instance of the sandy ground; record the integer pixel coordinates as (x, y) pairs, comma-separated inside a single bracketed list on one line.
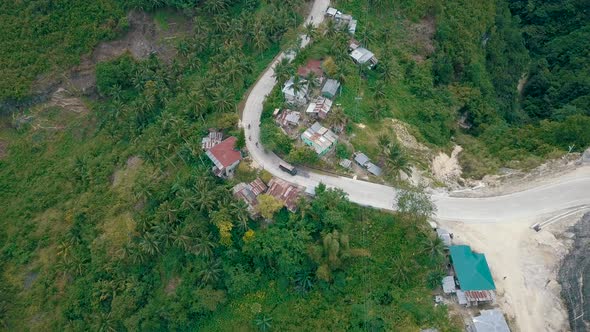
[(514, 181), (524, 264), (446, 168)]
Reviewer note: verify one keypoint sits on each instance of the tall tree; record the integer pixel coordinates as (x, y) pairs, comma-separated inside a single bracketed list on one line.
[(268, 205)]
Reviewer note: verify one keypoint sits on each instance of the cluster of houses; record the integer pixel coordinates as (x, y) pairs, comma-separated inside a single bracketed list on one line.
[(342, 21), (319, 104), (298, 92), (359, 54), (222, 153), (470, 280), (279, 189)]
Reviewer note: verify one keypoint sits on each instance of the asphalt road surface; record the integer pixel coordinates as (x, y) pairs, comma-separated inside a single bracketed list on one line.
[(563, 193)]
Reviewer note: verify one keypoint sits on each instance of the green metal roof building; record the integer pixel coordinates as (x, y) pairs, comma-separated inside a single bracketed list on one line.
[(471, 269)]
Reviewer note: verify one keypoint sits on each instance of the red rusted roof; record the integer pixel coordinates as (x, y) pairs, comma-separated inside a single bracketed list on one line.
[(284, 192), (311, 66), (258, 187), (480, 296), (224, 153)]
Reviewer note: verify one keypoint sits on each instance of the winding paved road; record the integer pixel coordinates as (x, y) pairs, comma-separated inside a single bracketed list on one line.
[(566, 192)]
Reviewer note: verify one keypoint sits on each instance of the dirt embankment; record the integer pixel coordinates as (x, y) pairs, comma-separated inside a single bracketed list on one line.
[(143, 38), (574, 277)]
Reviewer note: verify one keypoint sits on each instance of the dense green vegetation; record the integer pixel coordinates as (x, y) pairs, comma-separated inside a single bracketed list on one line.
[(113, 221), (42, 37)]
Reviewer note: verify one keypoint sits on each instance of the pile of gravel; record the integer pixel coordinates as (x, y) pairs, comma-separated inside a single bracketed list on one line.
[(574, 277)]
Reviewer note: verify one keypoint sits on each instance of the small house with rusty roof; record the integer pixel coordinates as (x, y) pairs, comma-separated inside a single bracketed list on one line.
[(225, 157)]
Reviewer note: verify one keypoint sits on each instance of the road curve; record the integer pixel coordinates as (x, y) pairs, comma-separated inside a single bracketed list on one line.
[(565, 192)]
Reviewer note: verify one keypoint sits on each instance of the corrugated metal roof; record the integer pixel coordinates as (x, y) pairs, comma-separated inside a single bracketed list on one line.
[(345, 163), (331, 11), (361, 55), (258, 187), (480, 296), (490, 321), (461, 297), (448, 284), (284, 192), (445, 236), (361, 158), (211, 140), (374, 169), (320, 137), (472, 269), (331, 87), (223, 154)]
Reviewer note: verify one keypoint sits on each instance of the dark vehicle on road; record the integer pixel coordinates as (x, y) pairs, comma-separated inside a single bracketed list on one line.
[(287, 168)]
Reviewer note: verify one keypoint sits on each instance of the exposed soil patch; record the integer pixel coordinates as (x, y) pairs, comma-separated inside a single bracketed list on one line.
[(406, 139), (446, 168), (62, 98), (421, 35), (143, 38), (510, 180), (171, 286), (121, 177), (574, 276)]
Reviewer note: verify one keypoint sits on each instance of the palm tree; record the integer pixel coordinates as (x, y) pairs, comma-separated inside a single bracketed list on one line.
[(397, 160), (433, 246), (163, 232), (187, 199), (263, 322), (283, 70), (239, 210), (223, 99), (210, 272), (310, 30), (379, 90), (330, 29), (304, 281), (198, 103), (204, 200), (183, 48), (167, 212), (298, 84), (215, 6), (179, 238), (401, 270), (337, 118), (204, 245), (150, 244), (260, 39), (384, 141), (312, 80), (104, 322)]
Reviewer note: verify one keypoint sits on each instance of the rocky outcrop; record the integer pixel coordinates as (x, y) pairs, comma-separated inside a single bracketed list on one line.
[(574, 277)]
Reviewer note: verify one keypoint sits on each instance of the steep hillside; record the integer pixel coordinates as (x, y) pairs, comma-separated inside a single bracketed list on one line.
[(113, 220)]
